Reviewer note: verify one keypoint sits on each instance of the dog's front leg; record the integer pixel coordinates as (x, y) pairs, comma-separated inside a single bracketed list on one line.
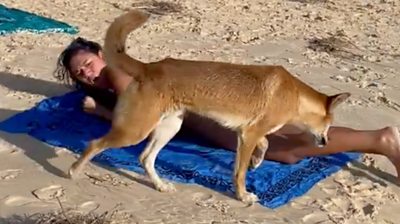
[(247, 141), (161, 135)]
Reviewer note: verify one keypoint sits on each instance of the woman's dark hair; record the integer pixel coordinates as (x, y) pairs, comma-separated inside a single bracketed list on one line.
[(62, 72)]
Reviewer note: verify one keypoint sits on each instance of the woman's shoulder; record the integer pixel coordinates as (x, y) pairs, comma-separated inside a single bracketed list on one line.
[(114, 73), (117, 78)]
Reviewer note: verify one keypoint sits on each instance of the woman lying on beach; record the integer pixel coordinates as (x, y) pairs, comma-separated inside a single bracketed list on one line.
[(82, 62)]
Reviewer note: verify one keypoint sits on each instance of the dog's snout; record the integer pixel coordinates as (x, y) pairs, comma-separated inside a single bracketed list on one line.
[(323, 141)]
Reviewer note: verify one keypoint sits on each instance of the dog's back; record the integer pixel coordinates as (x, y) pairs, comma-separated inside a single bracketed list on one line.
[(212, 88)]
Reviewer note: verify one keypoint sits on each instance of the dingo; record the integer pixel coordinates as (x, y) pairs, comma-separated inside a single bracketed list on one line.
[(254, 100)]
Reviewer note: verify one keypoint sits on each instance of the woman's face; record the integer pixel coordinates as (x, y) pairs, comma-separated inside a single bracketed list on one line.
[(86, 66)]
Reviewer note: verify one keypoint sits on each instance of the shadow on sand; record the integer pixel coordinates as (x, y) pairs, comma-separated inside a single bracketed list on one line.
[(31, 85)]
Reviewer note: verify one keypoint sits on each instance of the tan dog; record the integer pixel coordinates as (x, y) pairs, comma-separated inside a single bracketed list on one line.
[(253, 100)]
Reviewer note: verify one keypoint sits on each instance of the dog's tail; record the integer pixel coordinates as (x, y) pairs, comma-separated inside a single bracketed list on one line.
[(114, 43)]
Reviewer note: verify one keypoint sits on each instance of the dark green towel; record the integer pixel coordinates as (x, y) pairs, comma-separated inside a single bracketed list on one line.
[(15, 20)]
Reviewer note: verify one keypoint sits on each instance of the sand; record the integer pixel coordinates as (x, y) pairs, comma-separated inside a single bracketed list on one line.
[(335, 46)]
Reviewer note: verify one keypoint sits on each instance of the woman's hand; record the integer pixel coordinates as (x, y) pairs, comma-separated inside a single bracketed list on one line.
[(89, 105)]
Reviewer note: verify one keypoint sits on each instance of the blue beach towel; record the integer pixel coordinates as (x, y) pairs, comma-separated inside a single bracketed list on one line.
[(15, 20), (59, 121)]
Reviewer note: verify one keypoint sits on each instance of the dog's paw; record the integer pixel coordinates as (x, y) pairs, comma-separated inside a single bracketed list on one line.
[(249, 198), (166, 187), (259, 153), (255, 162), (73, 172)]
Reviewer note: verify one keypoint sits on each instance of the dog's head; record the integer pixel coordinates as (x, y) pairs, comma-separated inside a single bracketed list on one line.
[(318, 118)]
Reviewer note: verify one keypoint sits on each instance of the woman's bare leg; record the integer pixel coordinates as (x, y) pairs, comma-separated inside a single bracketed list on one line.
[(384, 142)]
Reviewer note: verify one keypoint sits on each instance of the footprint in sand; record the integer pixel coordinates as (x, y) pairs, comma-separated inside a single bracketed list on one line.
[(198, 196), (88, 206), (17, 201), (9, 174), (209, 201), (49, 193), (315, 217)]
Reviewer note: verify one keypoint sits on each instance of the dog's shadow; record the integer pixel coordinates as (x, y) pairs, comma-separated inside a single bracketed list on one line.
[(34, 149)]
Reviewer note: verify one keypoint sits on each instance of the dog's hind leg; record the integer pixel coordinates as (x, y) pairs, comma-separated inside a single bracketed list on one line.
[(132, 123), (161, 135), (259, 153), (261, 148), (113, 139)]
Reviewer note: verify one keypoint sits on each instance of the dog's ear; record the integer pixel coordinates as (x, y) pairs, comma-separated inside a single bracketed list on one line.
[(334, 100)]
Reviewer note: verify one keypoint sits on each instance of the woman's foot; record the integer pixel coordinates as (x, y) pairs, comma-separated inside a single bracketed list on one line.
[(389, 141)]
